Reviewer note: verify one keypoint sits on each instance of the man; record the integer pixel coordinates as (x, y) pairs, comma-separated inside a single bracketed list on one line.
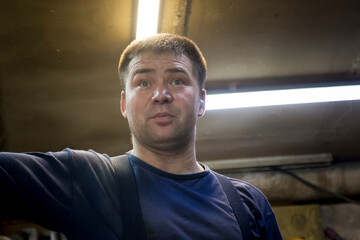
[(76, 192)]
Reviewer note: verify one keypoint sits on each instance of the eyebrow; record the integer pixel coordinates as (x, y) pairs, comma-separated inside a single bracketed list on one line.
[(143, 70), (149, 70), (176, 70)]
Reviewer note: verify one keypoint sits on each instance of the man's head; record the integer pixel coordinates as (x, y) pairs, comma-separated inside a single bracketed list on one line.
[(164, 43), (163, 77)]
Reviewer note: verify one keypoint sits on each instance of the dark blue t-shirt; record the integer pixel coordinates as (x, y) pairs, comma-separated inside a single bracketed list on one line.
[(75, 192)]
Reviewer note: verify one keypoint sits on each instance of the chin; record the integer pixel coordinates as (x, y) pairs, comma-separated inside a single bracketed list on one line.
[(172, 142), (169, 146)]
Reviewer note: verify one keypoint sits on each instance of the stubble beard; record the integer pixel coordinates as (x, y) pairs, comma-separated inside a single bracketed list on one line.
[(178, 140)]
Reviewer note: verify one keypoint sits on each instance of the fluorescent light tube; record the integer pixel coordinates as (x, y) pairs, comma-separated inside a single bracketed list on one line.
[(147, 19), (282, 97)]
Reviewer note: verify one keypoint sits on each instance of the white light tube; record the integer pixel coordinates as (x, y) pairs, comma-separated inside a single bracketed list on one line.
[(282, 97), (147, 19)]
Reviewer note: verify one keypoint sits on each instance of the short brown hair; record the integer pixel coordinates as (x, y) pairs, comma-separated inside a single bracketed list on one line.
[(164, 43)]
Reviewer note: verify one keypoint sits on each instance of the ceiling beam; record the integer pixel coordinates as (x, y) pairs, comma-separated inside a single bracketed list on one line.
[(175, 16)]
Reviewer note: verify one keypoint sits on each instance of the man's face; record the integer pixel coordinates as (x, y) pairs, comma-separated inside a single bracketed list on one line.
[(162, 100)]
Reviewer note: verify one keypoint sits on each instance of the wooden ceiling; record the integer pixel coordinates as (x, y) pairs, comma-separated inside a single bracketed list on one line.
[(59, 86)]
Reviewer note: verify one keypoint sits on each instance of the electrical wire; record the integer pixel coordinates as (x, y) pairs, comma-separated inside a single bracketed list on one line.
[(318, 188)]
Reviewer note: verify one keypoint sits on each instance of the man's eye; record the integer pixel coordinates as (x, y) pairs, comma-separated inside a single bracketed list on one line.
[(176, 82), (144, 84)]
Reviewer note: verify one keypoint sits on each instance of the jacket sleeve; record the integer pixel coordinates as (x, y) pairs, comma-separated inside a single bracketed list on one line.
[(36, 187)]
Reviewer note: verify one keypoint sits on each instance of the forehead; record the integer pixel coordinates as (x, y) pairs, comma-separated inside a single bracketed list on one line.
[(160, 62)]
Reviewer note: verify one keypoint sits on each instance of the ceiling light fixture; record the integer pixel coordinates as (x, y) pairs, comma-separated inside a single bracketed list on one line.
[(282, 97), (147, 18)]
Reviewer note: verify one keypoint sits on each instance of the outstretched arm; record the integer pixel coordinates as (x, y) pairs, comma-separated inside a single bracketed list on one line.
[(36, 187)]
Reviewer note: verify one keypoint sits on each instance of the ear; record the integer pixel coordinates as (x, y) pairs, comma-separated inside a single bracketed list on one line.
[(201, 111), (123, 104)]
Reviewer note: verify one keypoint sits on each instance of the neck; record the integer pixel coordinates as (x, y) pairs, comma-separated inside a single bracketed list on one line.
[(172, 161)]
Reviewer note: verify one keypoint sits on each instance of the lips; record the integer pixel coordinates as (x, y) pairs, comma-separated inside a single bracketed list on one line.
[(163, 118), (162, 114)]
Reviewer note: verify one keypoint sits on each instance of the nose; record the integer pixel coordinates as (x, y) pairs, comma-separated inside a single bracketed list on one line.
[(162, 95)]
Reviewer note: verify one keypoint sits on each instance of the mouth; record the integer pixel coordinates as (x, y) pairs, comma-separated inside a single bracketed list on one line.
[(162, 115), (163, 118)]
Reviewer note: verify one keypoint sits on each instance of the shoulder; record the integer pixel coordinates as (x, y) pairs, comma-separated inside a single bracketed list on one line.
[(92, 172), (262, 218), (252, 197), (86, 157), (89, 154), (249, 190), (86, 163)]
